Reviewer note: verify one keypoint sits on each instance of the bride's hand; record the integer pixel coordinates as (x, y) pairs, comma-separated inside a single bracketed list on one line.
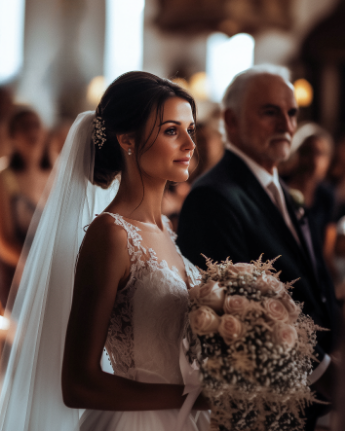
[(201, 403)]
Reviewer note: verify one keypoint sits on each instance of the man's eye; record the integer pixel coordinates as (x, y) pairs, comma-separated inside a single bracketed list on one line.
[(270, 112)]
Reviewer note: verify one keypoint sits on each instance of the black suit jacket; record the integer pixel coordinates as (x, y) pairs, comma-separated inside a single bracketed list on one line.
[(228, 213)]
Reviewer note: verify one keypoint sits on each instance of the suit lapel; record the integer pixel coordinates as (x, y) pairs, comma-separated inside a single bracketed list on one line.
[(243, 176), (306, 242)]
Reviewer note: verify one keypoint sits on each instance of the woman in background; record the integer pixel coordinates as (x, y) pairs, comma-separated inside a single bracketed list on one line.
[(21, 187), (313, 148)]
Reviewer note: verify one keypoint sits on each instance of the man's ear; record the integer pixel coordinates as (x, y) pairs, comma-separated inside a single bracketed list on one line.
[(231, 125), (126, 142), (230, 119)]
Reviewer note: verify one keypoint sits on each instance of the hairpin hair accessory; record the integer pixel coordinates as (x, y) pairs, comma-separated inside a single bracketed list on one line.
[(98, 136)]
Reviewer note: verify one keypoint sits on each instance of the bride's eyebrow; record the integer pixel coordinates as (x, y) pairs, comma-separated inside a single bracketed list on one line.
[(171, 121), (175, 122)]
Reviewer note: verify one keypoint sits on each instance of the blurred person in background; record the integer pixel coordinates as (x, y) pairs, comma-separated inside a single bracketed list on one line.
[(209, 151), (56, 139), (6, 108), (210, 144), (338, 260), (21, 187), (337, 178), (173, 199), (313, 147)]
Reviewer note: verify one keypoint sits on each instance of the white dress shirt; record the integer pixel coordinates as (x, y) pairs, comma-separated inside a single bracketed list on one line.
[(265, 179)]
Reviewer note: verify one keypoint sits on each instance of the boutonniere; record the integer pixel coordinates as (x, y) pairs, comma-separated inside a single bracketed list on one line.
[(297, 200)]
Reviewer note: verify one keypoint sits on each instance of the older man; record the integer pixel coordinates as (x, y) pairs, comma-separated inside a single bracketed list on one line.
[(241, 209)]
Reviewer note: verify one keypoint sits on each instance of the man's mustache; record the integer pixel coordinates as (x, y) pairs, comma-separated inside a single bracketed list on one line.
[(281, 137)]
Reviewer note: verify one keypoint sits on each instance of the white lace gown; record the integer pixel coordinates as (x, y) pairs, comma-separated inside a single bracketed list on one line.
[(144, 336)]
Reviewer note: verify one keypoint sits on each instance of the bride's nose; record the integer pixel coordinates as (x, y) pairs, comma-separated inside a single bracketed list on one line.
[(188, 144)]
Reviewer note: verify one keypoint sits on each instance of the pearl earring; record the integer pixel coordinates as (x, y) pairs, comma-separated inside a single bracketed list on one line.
[(129, 152)]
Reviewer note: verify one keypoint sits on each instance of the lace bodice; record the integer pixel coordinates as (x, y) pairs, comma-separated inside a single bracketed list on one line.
[(149, 315)]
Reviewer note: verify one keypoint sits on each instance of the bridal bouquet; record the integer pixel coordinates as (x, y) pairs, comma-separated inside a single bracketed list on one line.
[(256, 347)]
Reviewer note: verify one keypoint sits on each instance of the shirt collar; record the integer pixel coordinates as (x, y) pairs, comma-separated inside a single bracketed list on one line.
[(264, 177)]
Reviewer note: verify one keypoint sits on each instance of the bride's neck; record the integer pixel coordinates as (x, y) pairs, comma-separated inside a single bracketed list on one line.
[(140, 198)]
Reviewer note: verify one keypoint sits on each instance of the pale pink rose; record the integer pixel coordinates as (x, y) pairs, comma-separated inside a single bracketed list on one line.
[(276, 285), (285, 335), (267, 282), (292, 308), (241, 268), (236, 304), (212, 295), (204, 321), (230, 328), (276, 310)]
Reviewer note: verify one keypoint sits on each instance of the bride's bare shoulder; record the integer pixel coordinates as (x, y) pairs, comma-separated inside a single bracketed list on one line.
[(105, 235)]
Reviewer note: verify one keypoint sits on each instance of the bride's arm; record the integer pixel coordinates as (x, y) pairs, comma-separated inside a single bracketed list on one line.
[(103, 265)]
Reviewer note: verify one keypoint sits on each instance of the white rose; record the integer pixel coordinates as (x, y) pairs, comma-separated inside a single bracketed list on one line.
[(267, 282), (212, 295), (236, 304), (285, 335), (292, 308), (276, 310), (204, 321), (230, 328)]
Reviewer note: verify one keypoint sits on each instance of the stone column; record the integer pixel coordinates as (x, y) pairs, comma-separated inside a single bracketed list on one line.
[(64, 49)]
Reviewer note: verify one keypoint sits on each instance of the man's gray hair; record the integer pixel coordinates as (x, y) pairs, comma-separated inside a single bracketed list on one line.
[(234, 93)]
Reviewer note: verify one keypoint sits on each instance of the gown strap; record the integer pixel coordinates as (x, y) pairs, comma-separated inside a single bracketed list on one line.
[(134, 239)]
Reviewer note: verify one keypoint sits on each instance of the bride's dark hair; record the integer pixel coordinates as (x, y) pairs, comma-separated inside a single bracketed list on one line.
[(125, 108)]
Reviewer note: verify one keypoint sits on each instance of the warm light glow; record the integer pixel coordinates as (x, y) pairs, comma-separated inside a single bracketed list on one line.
[(4, 323), (198, 85), (181, 82), (124, 37), (303, 92), (95, 90), (226, 57), (11, 38)]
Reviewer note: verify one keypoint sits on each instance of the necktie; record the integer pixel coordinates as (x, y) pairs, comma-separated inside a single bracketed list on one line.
[(277, 197), (280, 204)]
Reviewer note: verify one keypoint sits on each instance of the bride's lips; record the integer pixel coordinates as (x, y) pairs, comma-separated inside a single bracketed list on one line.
[(183, 161)]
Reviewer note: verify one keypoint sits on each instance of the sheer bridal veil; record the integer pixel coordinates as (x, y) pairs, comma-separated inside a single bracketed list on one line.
[(31, 395)]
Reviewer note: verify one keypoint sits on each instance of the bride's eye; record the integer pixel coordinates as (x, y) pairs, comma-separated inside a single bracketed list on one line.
[(170, 131)]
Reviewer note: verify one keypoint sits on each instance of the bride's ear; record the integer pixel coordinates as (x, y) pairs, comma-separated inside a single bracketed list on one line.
[(126, 142)]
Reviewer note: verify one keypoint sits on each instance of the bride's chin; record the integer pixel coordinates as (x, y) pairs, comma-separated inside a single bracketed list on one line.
[(179, 178)]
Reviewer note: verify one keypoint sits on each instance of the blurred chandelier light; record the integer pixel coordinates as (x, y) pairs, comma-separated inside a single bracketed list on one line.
[(303, 92), (4, 323), (228, 16), (11, 38), (226, 57), (182, 83), (198, 85), (95, 90), (124, 37)]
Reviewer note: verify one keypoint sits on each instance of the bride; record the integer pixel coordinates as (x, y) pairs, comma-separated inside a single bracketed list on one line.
[(130, 294)]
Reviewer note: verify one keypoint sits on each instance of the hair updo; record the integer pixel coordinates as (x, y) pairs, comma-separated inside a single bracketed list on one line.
[(125, 108)]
